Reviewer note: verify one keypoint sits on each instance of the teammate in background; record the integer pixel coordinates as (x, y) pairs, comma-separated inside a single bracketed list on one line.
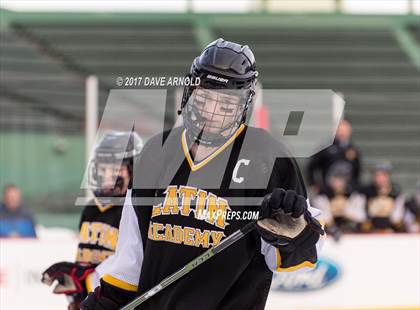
[(110, 173), (15, 220), (203, 166), (341, 153), (383, 201), (342, 208), (412, 212)]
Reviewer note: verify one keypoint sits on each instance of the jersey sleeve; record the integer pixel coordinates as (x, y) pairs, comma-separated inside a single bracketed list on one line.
[(93, 279), (123, 270), (397, 214), (314, 167)]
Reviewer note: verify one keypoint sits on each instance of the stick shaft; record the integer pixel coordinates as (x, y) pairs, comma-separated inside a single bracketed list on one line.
[(191, 265)]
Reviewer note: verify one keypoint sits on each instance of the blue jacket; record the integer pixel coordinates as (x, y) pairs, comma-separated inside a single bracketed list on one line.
[(18, 223)]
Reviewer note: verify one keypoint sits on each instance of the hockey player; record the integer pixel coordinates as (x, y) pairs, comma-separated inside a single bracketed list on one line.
[(383, 201), (110, 173), (213, 162), (412, 212), (342, 153), (342, 209)]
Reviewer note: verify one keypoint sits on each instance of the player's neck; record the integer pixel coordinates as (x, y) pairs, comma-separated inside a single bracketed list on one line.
[(200, 151)]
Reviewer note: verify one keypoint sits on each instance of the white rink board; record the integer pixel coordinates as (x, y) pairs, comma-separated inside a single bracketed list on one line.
[(377, 272), (21, 263)]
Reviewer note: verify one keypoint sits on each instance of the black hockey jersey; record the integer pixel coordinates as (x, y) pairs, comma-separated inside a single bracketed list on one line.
[(338, 203), (172, 231), (98, 232), (385, 210), (335, 156)]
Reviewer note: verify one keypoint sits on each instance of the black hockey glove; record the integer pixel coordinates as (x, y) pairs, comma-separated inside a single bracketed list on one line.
[(107, 297), (96, 301), (286, 223), (71, 280)]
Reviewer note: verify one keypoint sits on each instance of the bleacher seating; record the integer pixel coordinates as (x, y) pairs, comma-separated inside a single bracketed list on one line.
[(380, 85), (37, 87), (44, 63)]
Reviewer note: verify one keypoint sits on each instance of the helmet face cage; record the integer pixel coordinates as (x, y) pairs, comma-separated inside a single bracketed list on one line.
[(212, 116), (104, 185), (194, 121), (105, 176)]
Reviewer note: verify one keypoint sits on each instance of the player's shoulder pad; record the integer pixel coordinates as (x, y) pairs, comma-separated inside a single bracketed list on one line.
[(261, 139), (160, 140)]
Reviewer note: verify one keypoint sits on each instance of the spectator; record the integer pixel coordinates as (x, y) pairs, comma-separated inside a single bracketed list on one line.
[(341, 153), (15, 221), (412, 212), (384, 202), (343, 211)]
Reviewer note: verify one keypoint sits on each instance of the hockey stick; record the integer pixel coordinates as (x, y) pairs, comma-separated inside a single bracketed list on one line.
[(191, 265)]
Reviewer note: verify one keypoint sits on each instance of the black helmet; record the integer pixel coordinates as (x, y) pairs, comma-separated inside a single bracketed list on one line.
[(230, 68), (115, 148)]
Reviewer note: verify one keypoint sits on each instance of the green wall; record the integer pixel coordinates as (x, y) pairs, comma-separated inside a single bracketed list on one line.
[(42, 164)]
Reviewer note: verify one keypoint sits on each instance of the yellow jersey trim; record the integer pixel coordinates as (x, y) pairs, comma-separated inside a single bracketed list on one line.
[(101, 207), (89, 283), (196, 166), (292, 268), (119, 283)]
